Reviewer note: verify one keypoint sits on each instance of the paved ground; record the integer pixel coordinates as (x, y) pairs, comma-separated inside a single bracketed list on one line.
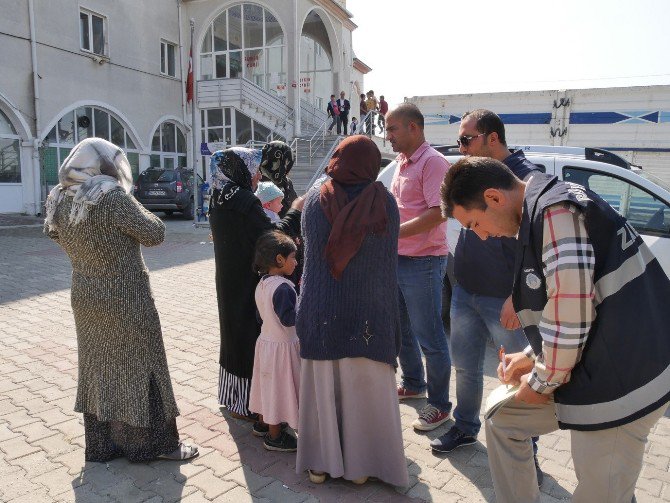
[(42, 439)]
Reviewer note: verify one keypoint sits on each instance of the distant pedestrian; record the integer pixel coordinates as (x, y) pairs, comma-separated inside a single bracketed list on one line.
[(363, 111), (348, 326), (383, 110), (276, 378), (237, 220), (354, 125), (372, 107), (124, 388), (333, 112), (343, 118)]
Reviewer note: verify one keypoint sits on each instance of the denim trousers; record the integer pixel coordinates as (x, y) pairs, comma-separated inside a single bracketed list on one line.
[(475, 319), (420, 297)]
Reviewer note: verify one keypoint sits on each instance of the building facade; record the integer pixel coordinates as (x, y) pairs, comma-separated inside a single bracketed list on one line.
[(118, 70), (633, 122)]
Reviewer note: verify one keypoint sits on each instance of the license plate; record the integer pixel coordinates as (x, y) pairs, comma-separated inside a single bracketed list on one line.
[(156, 192)]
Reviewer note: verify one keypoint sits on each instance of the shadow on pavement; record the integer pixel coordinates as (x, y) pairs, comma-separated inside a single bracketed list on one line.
[(31, 264), (272, 475)]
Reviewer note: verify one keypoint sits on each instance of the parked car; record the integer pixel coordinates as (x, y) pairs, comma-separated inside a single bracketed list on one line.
[(640, 197), (166, 190)]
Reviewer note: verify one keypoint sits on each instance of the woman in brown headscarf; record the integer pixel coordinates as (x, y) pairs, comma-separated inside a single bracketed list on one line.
[(348, 324)]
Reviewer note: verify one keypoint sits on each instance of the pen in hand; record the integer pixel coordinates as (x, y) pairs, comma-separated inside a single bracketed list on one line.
[(501, 355)]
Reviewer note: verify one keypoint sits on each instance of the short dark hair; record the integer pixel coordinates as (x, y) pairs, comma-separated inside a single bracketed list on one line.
[(465, 183), (409, 112), (332, 95), (268, 246), (487, 123)]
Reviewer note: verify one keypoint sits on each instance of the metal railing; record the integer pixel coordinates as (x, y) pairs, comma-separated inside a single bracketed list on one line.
[(310, 114), (241, 91), (322, 167)]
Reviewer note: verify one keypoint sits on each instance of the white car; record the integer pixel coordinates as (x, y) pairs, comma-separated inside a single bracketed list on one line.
[(638, 196)]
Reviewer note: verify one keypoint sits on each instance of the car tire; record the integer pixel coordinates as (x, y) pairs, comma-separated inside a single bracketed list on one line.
[(187, 212)]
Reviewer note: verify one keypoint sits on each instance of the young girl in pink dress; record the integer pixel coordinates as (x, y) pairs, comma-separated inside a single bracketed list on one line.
[(276, 376)]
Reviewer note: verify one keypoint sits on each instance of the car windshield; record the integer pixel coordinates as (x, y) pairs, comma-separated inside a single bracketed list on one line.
[(158, 175)]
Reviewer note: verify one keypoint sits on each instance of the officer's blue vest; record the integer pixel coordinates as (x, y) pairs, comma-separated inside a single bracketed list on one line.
[(624, 371)]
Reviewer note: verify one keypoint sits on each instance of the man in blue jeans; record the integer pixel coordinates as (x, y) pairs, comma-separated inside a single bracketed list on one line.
[(422, 260), (481, 304)]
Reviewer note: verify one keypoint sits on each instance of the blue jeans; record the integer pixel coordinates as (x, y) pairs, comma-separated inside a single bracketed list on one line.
[(420, 296), (475, 318)]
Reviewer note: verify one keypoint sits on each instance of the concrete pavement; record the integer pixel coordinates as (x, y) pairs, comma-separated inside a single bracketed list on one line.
[(42, 439)]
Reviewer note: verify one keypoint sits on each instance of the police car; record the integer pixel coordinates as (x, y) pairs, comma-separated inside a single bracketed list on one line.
[(640, 197)]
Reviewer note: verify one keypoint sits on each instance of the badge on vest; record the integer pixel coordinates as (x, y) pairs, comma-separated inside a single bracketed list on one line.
[(532, 280)]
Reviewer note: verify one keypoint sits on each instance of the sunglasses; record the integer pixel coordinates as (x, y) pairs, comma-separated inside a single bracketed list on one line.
[(465, 140)]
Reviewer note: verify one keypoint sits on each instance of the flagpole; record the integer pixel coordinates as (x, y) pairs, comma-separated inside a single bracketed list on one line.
[(194, 133)]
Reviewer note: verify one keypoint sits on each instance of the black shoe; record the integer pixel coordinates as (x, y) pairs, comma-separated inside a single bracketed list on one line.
[(538, 471), (451, 440), (283, 443), (261, 429)]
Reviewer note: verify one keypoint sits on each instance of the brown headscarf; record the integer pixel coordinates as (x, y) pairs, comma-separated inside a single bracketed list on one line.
[(355, 161)]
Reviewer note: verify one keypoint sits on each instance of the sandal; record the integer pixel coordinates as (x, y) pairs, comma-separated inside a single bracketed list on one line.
[(252, 418), (317, 477), (181, 453), (360, 481)]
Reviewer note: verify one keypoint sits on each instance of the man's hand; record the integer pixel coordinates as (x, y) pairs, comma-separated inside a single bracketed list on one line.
[(508, 318), (529, 395), (298, 203), (516, 365)]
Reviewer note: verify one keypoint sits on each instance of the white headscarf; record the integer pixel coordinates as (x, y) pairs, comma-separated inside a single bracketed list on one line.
[(93, 168)]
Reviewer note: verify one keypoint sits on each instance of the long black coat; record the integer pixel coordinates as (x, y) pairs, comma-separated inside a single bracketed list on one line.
[(235, 228)]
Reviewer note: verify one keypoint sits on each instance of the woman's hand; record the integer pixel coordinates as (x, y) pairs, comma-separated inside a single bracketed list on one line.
[(298, 203), (516, 365)]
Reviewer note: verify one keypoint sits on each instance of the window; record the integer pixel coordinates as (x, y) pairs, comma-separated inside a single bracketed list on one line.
[(168, 147), (92, 32), (245, 41), (646, 213), (10, 154), (168, 52), (76, 125)]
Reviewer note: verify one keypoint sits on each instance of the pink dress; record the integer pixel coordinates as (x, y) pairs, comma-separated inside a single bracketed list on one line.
[(276, 377)]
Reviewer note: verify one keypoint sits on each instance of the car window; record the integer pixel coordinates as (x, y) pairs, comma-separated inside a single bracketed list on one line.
[(643, 211), (158, 175)]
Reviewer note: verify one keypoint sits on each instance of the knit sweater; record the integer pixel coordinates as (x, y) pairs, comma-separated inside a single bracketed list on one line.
[(119, 339), (357, 316)]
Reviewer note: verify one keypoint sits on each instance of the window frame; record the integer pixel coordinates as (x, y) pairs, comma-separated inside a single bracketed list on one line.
[(90, 50), (627, 200), (164, 58)]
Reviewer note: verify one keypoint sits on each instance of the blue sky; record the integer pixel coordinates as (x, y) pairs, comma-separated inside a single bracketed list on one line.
[(429, 47)]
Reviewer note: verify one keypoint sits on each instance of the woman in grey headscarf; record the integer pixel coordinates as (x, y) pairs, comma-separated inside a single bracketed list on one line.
[(124, 388)]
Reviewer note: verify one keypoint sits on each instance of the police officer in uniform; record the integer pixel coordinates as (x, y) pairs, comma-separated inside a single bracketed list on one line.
[(586, 291)]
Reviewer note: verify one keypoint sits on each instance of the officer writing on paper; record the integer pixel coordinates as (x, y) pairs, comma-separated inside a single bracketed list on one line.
[(586, 290)]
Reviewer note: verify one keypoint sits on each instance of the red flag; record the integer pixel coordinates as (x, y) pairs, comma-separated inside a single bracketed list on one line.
[(189, 78)]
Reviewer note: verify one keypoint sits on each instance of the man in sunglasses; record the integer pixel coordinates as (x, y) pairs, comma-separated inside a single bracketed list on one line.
[(422, 260), (481, 304)]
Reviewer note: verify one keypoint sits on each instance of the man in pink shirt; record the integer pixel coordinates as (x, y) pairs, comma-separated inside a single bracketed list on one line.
[(422, 262)]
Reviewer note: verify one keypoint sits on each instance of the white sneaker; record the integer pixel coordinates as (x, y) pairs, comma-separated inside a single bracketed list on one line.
[(430, 417)]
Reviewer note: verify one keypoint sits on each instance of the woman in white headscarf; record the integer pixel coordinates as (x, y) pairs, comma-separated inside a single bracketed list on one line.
[(124, 388)]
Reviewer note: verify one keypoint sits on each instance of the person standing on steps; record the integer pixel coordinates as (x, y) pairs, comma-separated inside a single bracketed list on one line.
[(343, 118)]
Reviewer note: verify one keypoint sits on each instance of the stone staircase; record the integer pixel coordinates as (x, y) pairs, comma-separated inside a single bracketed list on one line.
[(305, 167)]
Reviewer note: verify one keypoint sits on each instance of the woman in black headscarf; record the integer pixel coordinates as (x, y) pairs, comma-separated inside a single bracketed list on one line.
[(237, 220), (277, 161)]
